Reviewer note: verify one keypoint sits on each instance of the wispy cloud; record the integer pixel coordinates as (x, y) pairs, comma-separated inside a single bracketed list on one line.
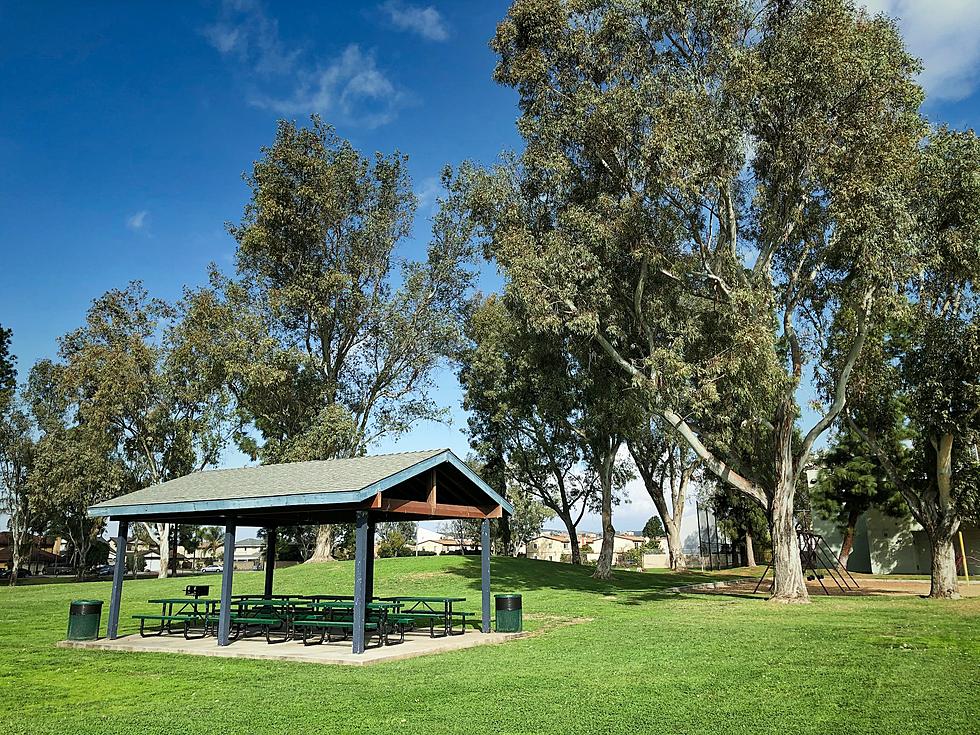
[(137, 220), (427, 191), (945, 34), (426, 21), (349, 88)]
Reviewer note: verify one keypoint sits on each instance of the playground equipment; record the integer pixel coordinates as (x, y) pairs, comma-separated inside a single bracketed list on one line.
[(818, 562)]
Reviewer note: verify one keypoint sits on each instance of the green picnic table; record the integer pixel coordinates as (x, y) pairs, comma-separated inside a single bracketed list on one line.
[(422, 607), (188, 611)]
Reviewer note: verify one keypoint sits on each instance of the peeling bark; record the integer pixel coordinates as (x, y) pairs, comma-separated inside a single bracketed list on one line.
[(788, 582), (323, 548), (944, 585)]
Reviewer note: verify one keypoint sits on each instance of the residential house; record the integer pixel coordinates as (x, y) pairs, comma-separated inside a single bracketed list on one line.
[(443, 545), (556, 546), (41, 552), (248, 554)]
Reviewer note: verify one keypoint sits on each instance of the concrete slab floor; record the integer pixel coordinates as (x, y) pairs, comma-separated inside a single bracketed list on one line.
[(326, 653)]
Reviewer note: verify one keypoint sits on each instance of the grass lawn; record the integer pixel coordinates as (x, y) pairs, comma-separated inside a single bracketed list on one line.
[(635, 661)]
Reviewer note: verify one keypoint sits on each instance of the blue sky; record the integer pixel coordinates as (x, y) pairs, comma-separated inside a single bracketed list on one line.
[(125, 127)]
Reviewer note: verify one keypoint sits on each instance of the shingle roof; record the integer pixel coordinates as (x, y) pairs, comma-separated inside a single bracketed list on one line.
[(297, 483), (295, 478)]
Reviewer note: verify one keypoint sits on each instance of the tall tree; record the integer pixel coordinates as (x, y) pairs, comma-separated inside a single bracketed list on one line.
[(666, 465), (524, 390), (529, 517), (137, 373), (75, 468), (17, 460), (8, 370), (928, 355), (851, 480), (705, 189), (330, 339)]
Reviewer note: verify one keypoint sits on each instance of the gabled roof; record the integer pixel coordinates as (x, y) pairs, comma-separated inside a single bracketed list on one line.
[(281, 486)]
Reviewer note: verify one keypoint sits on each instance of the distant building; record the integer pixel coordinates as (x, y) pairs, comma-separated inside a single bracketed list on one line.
[(248, 554), (40, 553), (443, 545), (557, 546)]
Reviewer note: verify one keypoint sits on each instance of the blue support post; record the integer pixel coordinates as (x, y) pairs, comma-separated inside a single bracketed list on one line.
[(485, 569), (360, 580), (271, 536), (224, 615), (369, 571), (118, 573)]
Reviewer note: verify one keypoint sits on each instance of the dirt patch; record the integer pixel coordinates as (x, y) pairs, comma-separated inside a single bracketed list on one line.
[(866, 586), (553, 622), (423, 576)]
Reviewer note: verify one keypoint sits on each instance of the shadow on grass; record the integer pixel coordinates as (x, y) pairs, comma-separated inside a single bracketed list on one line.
[(41, 580), (530, 575)]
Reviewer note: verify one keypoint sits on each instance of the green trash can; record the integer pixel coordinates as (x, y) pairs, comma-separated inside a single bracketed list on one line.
[(84, 617), (509, 615)]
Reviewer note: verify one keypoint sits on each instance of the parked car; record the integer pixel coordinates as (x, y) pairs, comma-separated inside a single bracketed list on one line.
[(21, 573), (104, 570), (213, 568)]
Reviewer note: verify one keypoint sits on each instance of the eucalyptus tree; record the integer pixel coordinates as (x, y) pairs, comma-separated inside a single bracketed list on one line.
[(523, 390), (667, 467), (75, 468), (605, 413), (529, 517), (329, 337), (706, 189), (8, 370), (927, 356), (136, 374), (18, 450)]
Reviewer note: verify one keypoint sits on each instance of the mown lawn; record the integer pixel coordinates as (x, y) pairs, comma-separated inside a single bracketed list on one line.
[(635, 660)]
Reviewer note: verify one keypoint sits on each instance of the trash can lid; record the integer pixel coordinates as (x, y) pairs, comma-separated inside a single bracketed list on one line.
[(507, 596), (86, 602)]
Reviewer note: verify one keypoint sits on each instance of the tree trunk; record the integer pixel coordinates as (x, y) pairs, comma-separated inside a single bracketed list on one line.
[(566, 518), (163, 545), (847, 542), (749, 550), (603, 569), (944, 585), (674, 544), (323, 548), (788, 582), (14, 558)]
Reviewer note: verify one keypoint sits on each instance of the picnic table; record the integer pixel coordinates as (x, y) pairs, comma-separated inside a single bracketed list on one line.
[(273, 614), (183, 610), (425, 607)]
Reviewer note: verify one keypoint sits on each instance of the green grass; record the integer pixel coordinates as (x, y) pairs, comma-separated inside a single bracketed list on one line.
[(637, 661)]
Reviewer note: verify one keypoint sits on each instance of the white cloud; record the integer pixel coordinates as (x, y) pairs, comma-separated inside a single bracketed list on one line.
[(137, 221), (425, 21), (945, 34), (347, 89), (428, 191)]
